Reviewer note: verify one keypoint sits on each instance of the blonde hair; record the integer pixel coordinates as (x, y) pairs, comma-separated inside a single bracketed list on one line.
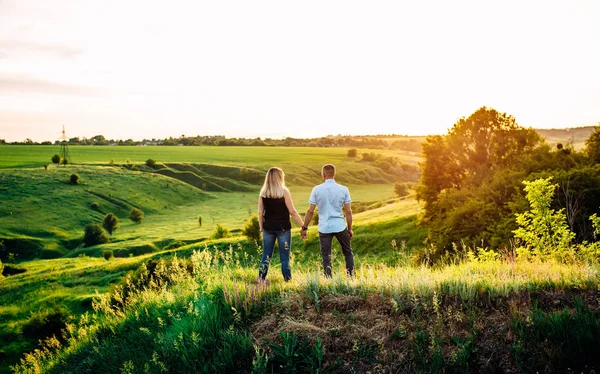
[(274, 186)]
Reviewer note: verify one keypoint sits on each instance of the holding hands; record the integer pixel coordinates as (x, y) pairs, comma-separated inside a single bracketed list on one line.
[(304, 232)]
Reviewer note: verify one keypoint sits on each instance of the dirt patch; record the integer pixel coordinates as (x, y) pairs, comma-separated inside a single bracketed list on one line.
[(379, 334)]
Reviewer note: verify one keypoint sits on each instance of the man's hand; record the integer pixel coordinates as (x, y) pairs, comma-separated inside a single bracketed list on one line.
[(351, 233), (304, 234)]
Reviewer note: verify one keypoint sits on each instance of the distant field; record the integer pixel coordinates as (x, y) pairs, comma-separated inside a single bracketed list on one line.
[(19, 156)]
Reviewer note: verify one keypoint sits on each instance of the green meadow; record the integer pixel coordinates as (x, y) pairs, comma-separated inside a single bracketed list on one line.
[(18, 156), (172, 298)]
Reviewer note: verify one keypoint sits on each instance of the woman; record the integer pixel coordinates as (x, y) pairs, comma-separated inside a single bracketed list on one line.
[(274, 209)]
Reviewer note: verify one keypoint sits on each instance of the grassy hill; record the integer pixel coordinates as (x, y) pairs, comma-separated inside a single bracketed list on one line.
[(209, 315), (67, 286)]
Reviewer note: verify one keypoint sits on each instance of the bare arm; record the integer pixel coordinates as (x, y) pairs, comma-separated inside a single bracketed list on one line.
[(309, 214), (290, 206), (261, 213), (348, 211)]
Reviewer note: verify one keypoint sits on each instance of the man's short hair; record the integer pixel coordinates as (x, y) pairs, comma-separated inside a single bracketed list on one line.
[(329, 171)]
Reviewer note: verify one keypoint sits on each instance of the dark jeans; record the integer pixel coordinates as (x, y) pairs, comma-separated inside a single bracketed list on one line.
[(343, 238), (284, 240)]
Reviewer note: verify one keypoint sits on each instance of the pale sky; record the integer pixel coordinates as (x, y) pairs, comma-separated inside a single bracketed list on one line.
[(153, 69)]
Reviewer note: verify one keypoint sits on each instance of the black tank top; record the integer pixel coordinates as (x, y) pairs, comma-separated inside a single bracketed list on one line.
[(277, 215)]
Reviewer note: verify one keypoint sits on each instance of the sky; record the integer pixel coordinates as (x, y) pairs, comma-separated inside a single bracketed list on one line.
[(154, 69)]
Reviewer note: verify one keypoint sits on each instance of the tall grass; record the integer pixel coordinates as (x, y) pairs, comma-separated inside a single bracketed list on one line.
[(194, 315)]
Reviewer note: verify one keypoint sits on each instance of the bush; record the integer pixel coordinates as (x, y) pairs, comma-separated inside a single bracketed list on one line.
[(107, 254), (64, 161), (543, 231), (94, 234), (150, 163), (95, 205), (200, 221), (46, 323), (401, 189), (136, 215), (110, 223), (175, 244), (56, 159), (352, 152), (252, 229), (74, 179), (220, 232)]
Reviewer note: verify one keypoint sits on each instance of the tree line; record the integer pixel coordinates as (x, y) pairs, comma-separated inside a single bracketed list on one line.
[(363, 141)]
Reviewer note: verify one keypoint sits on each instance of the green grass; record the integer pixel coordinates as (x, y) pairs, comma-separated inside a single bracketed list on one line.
[(403, 318), (18, 156)]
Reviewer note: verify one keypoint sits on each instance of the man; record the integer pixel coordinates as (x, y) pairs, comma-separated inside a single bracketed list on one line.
[(331, 198)]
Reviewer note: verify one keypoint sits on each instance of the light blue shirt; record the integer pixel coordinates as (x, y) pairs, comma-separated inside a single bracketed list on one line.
[(330, 198)]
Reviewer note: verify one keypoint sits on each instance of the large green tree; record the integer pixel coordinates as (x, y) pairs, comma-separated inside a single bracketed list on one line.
[(470, 178)]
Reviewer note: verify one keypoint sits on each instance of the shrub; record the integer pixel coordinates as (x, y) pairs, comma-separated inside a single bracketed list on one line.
[(107, 254), (110, 223), (95, 205), (136, 215), (200, 221), (64, 161), (369, 157), (401, 189), (543, 231), (46, 323), (74, 179), (150, 163), (94, 234), (174, 244), (251, 229), (220, 232), (352, 152), (56, 159)]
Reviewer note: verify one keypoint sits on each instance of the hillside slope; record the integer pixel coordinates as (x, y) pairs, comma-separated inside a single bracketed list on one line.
[(42, 213)]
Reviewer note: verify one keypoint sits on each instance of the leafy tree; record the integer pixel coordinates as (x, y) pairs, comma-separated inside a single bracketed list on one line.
[(220, 232), (401, 189), (136, 215), (56, 159), (471, 179), (110, 223), (94, 234), (252, 229), (352, 152), (592, 145), (74, 179), (472, 150), (543, 230), (64, 161)]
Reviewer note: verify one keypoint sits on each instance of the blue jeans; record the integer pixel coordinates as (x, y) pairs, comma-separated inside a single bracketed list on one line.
[(284, 240)]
